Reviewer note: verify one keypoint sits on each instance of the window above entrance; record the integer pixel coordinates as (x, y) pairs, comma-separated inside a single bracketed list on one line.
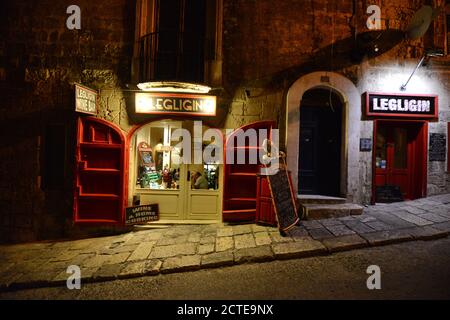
[(176, 40)]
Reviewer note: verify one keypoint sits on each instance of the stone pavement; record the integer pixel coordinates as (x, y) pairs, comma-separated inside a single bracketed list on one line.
[(192, 247)]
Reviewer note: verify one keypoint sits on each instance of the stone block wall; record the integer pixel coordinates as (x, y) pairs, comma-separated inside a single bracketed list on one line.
[(40, 60), (267, 48), (267, 45)]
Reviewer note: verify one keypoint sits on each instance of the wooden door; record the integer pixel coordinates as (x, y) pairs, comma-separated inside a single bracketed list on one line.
[(307, 180), (99, 173), (320, 150), (395, 157)]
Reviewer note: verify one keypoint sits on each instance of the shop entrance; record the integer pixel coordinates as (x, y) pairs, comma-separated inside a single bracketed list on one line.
[(400, 158), (320, 143), (184, 191)]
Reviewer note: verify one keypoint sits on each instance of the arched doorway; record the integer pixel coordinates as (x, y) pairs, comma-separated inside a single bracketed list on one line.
[(320, 142), (352, 162)]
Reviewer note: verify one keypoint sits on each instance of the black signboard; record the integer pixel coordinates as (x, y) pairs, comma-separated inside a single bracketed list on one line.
[(283, 199), (141, 214), (401, 105), (388, 194), (437, 148), (365, 144)]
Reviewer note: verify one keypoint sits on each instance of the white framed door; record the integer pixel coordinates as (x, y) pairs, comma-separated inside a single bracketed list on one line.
[(204, 203), (178, 199)]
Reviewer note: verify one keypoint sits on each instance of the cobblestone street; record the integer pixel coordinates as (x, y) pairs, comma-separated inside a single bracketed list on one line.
[(191, 247)]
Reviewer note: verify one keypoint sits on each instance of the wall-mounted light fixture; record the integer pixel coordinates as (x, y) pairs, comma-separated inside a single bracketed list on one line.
[(172, 86), (428, 54)]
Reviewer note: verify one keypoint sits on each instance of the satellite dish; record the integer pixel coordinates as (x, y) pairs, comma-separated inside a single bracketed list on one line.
[(421, 21)]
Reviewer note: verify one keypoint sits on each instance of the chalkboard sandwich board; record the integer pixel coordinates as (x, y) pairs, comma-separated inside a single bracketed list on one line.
[(283, 199), (141, 214), (388, 194)]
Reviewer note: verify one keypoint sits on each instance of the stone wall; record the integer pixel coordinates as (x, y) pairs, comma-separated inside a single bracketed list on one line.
[(432, 79), (40, 60), (267, 46)]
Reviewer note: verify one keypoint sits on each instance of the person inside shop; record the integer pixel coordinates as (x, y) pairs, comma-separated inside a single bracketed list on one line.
[(198, 181)]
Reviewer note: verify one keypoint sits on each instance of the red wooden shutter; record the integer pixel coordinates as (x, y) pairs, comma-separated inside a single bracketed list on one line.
[(99, 174), (240, 184)]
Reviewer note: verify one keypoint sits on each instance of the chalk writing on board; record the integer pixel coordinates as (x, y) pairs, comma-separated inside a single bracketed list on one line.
[(283, 200), (438, 145)]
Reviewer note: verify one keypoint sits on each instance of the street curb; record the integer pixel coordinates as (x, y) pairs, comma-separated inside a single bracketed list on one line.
[(345, 243), (387, 237), (317, 252)]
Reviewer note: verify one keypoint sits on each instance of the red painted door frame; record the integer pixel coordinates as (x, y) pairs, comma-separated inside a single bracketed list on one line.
[(418, 180)]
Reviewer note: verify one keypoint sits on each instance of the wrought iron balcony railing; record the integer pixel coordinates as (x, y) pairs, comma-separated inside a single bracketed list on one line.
[(172, 55)]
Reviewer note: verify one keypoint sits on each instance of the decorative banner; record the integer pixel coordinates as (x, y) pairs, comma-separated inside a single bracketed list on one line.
[(401, 105), (141, 214), (172, 103), (85, 99)]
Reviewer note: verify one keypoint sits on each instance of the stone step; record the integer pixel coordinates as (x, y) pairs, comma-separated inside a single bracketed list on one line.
[(325, 211), (317, 199)]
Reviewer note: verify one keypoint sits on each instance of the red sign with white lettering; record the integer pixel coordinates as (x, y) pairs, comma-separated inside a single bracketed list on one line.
[(401, 105)]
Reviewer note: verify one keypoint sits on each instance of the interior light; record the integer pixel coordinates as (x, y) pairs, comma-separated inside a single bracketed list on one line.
[(168, 86)]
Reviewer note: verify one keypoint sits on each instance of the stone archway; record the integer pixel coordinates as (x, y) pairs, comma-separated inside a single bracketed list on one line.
[(351, 99)]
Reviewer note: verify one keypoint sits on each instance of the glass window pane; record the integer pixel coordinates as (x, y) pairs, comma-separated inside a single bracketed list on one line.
[(163, 173), (381, 154), (400, 148)]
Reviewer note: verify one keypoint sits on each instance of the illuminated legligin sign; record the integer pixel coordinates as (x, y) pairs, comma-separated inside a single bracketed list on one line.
[(172, 103), (401, 105)]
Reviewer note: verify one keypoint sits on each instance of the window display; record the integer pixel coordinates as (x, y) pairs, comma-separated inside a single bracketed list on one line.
[(159, 160), (206, 178), (167, 167), (157, 169)]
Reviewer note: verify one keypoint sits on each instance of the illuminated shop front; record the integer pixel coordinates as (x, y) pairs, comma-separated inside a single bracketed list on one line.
[(158, 161), (365, 143), (400, 140), (161, 172)]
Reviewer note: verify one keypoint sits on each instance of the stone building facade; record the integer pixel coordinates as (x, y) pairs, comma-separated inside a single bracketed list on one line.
[(270, 53)]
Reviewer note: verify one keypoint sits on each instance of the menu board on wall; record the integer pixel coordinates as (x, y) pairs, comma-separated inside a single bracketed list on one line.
[(437, 147), (85, 100)]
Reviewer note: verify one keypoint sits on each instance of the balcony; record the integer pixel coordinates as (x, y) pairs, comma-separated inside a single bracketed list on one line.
[(172, 56)]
